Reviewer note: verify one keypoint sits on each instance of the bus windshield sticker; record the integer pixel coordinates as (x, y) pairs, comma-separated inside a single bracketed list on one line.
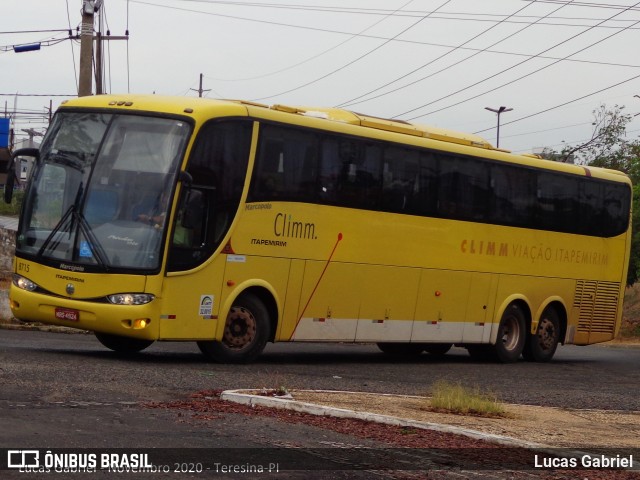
[(85, 249)]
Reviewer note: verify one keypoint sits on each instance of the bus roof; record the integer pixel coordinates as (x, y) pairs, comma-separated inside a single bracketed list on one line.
[(204, 108)]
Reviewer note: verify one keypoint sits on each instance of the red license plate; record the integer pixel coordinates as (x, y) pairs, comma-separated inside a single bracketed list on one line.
[(67, 314)]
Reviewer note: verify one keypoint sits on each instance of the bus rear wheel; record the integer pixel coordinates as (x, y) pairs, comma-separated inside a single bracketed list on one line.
[(245, 335), (511, 335), (122, 344), (541, 346)]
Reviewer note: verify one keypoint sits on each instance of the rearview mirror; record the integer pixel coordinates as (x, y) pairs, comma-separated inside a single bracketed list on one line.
[(11, 170)]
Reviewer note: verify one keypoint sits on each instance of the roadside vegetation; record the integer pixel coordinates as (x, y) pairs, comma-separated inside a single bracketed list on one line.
[(13, 208), (457, 399), (630, 328)]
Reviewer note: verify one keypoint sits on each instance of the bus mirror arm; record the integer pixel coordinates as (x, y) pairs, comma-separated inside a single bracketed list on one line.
[(186, 179), (11, 170)]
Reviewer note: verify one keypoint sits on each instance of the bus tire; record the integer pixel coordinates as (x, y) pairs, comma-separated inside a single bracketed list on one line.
[(541, 346), (437, 349), (511, 335), (401, 349), (122, 344), (245, 335)]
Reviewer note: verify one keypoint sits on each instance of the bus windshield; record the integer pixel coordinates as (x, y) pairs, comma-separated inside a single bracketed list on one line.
[(99, 194)]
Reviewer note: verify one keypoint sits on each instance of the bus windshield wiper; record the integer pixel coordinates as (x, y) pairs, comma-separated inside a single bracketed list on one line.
[(68, 215), (73, 215), (68, 158)]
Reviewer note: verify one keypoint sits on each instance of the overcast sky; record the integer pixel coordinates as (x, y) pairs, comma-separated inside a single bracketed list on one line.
[(433, 62)]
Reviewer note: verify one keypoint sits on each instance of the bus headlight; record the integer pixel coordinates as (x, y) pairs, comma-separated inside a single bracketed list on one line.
[(130, 298), (24, 283)]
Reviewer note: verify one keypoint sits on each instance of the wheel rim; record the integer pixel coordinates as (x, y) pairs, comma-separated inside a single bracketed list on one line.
[(546, 334), (510, 333), (240, 329)]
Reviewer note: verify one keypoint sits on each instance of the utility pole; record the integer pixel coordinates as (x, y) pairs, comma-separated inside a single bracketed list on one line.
[(86, 47), (89, 8), (99, 74), (200, 90)]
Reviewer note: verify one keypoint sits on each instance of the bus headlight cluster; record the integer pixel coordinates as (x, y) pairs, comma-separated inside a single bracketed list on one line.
[(130, 298), (24, 283)]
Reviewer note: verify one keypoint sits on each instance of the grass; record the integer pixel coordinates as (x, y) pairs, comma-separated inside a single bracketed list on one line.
[(12, 208), (450, 398)]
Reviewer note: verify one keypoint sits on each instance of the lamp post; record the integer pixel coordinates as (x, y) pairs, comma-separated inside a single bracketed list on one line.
[(498, 112)]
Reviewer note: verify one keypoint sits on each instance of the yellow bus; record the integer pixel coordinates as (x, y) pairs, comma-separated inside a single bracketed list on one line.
[(234, 224)]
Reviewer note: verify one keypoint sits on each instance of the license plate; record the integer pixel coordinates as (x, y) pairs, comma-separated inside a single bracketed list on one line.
[(67, 314)]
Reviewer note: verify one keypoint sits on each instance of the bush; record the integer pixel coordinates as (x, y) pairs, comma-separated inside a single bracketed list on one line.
[(12, 208), (465, 401)]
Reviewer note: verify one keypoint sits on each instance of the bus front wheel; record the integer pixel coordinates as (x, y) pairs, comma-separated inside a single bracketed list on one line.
[(122, 344), (541, 346), (245, 335), (511, 335)]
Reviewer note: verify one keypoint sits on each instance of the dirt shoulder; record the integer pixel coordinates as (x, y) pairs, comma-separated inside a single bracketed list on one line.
[(555, 427)]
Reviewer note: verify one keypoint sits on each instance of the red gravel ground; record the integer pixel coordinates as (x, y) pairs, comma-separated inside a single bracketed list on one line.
[(207, 406)]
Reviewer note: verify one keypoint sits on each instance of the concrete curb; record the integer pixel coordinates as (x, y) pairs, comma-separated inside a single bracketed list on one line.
[(287, 403), (246, 398)]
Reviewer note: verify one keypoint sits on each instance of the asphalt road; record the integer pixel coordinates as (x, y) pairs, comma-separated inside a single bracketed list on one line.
[(67, 391)]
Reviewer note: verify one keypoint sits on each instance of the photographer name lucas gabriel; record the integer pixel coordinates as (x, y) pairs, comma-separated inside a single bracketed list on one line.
[(584, 461)]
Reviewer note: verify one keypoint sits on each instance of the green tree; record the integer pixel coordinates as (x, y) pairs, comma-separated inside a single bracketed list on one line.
[(609, 147)]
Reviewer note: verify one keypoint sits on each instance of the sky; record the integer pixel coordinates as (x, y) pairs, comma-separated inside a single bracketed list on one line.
[(432, 62)]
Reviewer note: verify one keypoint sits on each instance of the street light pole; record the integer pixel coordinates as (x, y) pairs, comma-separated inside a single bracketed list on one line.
[(498, 112)]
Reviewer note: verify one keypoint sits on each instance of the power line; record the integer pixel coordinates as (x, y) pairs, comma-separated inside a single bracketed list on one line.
[(564, 104), (354, 102), (73, 57), (355, 60), (37, 31), (382, 11), (357, 35), (511, 68), (35, 95)]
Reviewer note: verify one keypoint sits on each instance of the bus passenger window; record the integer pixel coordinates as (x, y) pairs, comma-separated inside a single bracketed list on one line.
[(425, 191), (286, 165), (329, 172), (399, 179), (360, 181)]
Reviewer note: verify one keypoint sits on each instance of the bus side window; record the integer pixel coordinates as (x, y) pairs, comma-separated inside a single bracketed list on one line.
[(329, 171), (218, 166), (270, 170), (512, 195), (399, 179), (188, 230), (557, 199), (617, 200), (286, 165), (425, 191), (360, 180)]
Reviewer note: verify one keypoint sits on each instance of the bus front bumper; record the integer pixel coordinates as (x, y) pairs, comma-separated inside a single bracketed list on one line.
[(137, 321)]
